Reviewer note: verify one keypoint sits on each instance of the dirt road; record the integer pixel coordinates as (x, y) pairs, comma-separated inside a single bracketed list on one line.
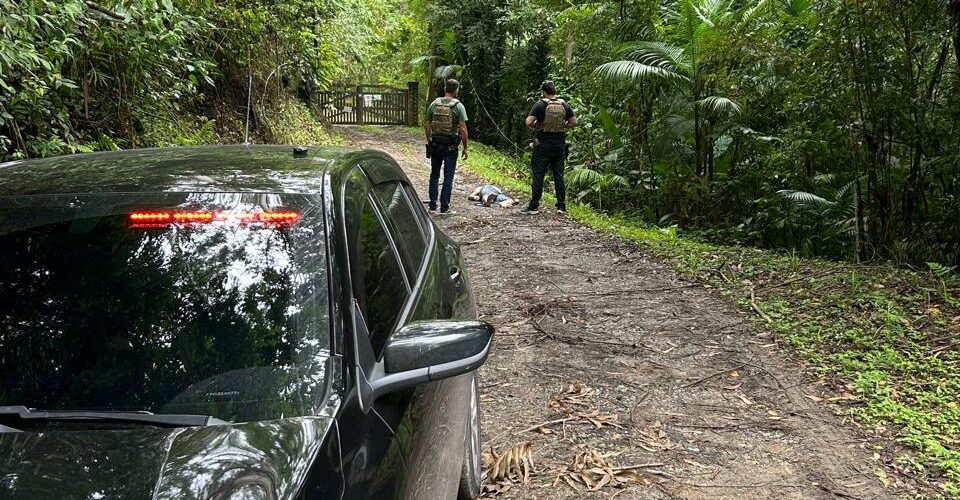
[(616, 371)]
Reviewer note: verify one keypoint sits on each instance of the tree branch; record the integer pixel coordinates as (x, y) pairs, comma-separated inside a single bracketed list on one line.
[(105, 11)]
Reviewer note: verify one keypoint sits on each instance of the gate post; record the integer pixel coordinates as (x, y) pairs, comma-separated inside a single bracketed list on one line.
[(413, 103), (359, 101)]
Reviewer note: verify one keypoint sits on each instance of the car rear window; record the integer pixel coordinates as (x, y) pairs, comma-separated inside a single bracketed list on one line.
[(202, 303)]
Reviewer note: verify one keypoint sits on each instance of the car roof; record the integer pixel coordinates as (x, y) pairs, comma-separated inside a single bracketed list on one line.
[(236, 168)]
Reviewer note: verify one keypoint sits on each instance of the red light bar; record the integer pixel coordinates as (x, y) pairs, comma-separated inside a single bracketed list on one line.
[(162, 218)]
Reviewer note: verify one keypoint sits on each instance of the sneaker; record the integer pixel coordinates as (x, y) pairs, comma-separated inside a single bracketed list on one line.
[(445, 211), (432, 210), (530, 211), (562, 210)]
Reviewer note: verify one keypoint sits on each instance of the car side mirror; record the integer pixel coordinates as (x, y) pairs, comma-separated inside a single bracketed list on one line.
[(428, 351), (447, 348)]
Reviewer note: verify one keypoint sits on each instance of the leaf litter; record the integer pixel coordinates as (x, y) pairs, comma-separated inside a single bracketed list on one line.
[(592, 471), (576, 394), (654, 438), (574, 402), (506, 468)]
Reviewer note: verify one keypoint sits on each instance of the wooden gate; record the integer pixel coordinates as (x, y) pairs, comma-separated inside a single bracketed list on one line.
[(370, 104)]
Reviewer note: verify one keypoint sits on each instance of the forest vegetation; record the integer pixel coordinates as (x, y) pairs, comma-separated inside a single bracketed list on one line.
[(817, 128), (824, 127)]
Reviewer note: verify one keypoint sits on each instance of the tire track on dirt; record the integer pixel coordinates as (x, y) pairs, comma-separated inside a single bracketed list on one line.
[(679, 386)]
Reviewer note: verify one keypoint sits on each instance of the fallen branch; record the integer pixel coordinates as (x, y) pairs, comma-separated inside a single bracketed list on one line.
[(474, 242), (638, 466), (756, 308), (622, 291), (713, 375), (538, 426), (105, 11), (575, 341), (768, 372)]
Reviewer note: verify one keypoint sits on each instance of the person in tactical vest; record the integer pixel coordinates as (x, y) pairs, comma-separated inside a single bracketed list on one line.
[(550, 119), (445, 128)]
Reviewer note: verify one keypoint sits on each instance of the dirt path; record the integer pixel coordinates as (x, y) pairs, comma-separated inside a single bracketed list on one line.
[(674, 379)]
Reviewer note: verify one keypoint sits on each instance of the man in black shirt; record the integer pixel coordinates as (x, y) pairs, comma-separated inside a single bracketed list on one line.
[(550, 118)]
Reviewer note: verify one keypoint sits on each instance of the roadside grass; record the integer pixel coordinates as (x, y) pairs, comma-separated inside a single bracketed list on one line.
[(290, 122), (883, 342), (282, 120)]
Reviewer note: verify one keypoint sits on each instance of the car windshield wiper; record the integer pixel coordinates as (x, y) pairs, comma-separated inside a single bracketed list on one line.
[(132, 417)]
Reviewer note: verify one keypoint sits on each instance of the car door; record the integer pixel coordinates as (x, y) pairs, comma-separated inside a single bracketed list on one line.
[(433, 428), (372, 452)]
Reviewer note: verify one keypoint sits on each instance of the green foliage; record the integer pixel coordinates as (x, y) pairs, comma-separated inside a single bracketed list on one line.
[(80, 75), (713, 110), (290, 122), (69, 73), (874, 335)]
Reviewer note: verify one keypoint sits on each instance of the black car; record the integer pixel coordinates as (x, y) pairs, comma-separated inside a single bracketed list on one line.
[(238, 322)]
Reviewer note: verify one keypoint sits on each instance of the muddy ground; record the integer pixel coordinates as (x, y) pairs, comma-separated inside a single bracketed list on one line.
[(659, 386)]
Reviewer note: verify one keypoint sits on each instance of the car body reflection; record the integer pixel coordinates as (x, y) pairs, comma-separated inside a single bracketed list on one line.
[(197, 462)]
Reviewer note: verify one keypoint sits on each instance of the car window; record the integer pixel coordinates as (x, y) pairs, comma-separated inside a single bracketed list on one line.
[(378, 282), (418, 210), (209, 303), (404, 225)]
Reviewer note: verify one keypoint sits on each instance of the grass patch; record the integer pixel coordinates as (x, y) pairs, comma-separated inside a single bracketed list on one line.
[(883, 340)]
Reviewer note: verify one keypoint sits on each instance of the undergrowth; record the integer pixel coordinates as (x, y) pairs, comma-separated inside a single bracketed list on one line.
[(883, 340), (284, 120)]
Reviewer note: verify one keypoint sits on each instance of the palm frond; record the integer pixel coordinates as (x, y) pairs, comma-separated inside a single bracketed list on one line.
[(635, 71), (659, 54), (447, 71), (416, 61), (754, 12), (843, 191), (801, 11), (805, 198), (796, 8), (719, 106)]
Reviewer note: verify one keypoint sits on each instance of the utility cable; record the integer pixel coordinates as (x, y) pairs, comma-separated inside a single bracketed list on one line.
[(246, 128), (516, 147)]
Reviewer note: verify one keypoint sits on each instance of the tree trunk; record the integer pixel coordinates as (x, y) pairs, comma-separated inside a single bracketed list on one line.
[(909, 192), (432, 66), (955, 23), (858, 220)]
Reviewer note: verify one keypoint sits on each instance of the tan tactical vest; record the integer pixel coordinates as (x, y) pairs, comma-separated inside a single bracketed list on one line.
[(555, 116), (442, 121)]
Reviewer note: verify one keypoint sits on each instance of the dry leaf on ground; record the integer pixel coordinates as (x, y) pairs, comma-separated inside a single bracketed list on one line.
[(595, 418), (506, 468), (591, 470), (576, 395), (655, 439)]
